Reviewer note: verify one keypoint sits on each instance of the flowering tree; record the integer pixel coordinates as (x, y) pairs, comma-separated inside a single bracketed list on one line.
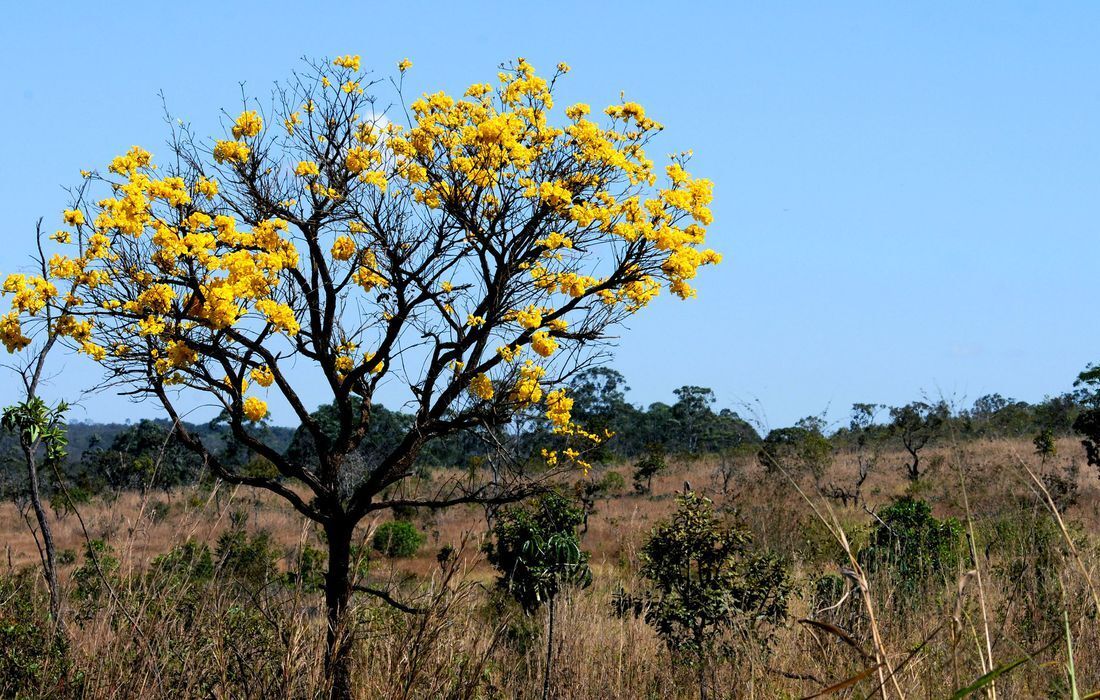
[(470, 252)]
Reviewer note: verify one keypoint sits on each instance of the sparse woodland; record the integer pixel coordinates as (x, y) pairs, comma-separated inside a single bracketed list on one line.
[(512, 526)]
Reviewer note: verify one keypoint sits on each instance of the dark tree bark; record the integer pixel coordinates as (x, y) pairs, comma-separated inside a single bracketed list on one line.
[(337, 602)]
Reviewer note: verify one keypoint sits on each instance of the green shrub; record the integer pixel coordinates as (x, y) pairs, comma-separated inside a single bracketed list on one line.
[(33, 660), (188, 563), (912, 545), (249, 560), (398, 539), (705, 581)]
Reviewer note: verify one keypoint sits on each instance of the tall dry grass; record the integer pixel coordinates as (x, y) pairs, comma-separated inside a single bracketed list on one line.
[(1023, 595)]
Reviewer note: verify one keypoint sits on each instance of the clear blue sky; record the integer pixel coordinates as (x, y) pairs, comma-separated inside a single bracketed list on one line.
[(907, 194)]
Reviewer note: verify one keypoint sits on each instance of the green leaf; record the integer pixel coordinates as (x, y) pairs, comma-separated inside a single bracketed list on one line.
[(987, 679)]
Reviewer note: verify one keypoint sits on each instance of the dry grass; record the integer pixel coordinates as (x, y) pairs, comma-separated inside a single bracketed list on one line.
[(149, 636)]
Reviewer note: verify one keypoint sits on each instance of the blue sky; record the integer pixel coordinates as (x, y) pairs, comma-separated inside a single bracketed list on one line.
[(907, 194)]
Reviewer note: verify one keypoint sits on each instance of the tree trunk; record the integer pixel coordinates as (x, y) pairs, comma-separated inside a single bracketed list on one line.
[(549, 650), (914, 466), (701, 658), (337, 599), (49, 554)]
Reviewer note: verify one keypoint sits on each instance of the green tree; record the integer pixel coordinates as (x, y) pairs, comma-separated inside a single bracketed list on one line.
[(916, 424), (148, 454), (1087, 422), (650, 465), (705, 580), (537, 552), (801, 448)]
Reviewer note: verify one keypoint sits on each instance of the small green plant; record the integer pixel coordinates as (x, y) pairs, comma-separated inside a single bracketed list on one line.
[(398, 539), (912, 545), (1045, 446), (704, 580), (93, 577), (537, 552), (651, 464), (248, 560), (32, 656), (188, 563)]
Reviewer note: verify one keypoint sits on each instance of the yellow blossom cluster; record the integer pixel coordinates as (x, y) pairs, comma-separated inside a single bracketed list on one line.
[(248, 125), (527, 389), (543, 344), (350, 62), (254, 409), (343, 248), (559, 409), (482, 387), (263, 376)]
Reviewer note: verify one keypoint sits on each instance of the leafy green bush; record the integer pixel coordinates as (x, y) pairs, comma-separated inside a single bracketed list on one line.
[(33, 660), (249, 560), (705, 581), (397, 539), (912, 545)]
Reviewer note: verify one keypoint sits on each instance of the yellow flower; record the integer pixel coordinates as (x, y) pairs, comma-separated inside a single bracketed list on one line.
[(358, 159), (247, 125), (207, 188), (446, 287), (344, 364), (348, 61), (180, 355), (230, 151), (527, 389), (292, 121), (307, 168), (254, 409), (404, 65), (150, 325), (263, 376), (376, 178), (74, 217), (531, 317), (475, 321), (543, 344), (11, 332), (96, 352), (559, 408), (343, 248), (279, 315), (482, 387)]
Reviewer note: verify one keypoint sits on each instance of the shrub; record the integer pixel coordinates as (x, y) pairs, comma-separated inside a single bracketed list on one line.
[(398, 539), (33, 660), (799, 449), (705, 581), (249, 560), (651, 464), (188, 563), (912, 545)]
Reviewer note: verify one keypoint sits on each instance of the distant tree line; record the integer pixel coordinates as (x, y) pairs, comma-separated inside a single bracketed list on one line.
[(146, 454)]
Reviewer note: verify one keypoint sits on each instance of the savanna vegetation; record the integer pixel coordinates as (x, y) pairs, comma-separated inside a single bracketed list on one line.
[(514, 526)]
